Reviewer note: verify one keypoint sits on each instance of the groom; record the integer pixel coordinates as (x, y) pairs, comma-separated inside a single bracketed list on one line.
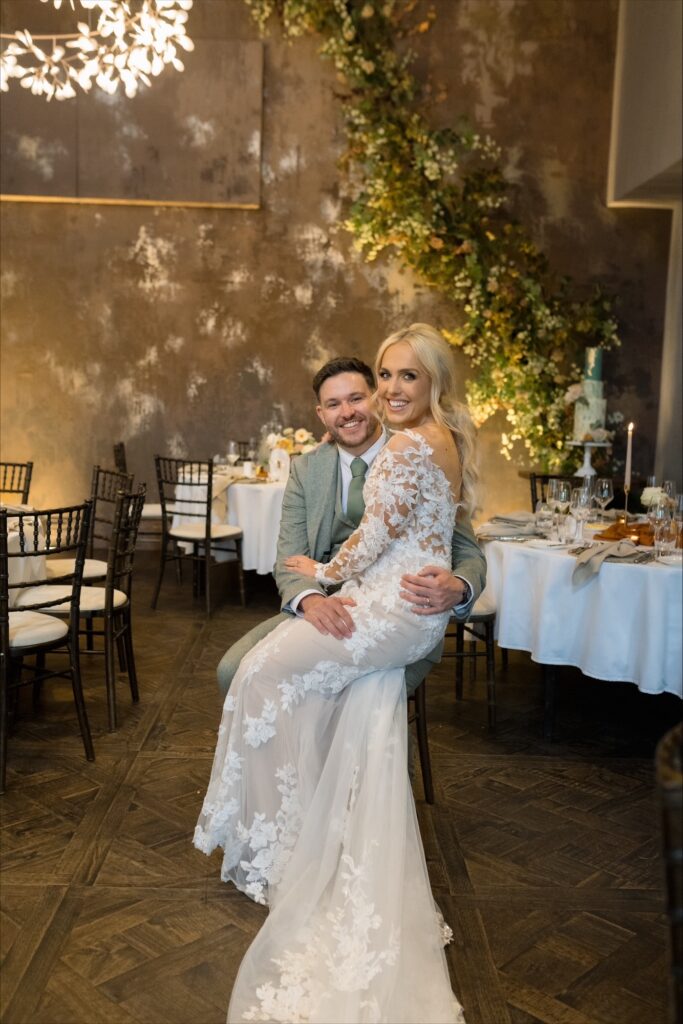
[(322, 506)]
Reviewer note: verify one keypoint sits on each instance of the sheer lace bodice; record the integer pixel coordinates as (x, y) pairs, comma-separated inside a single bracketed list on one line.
[(409, 516), (309, 794)]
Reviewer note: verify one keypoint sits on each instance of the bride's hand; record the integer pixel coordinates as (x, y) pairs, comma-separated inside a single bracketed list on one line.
[(302, 565)]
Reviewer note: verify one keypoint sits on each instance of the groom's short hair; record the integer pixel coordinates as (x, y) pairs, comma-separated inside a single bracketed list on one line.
[(342, 364)]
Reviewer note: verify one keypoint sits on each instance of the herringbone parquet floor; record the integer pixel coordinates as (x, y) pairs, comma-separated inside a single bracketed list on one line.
[(544, 857)]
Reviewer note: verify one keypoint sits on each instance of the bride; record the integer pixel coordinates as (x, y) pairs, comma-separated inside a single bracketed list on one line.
[(309, 795)]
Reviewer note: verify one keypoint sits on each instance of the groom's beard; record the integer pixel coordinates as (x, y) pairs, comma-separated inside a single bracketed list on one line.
[(367, 431)]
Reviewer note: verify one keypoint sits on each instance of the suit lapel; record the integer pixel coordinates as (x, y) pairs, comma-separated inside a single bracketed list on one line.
[(321, 498)]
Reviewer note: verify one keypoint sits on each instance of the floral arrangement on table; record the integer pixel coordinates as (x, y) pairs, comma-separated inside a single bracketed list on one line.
[(650, 496), (436, 198), (293, 441)]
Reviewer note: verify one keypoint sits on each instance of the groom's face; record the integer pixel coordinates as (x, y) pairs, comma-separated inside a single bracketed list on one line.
[(346, 410)]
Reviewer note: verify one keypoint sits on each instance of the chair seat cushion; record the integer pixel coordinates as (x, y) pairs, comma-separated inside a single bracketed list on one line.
[(484, 607), (196, 531), (92, 598), (93, 568), (151, 511), (28, 629)]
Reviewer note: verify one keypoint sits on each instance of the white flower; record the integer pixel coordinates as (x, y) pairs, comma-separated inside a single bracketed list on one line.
[(650, 496), (573, 394), (272, 439), (301, 436)]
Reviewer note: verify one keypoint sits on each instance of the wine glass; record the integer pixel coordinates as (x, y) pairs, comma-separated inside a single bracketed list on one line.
[(233, 452), (580, 507), (604, 494), (559, 495)]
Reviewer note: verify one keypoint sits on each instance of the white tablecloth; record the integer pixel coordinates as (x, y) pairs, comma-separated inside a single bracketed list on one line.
[(623, 625), (254, 507), (257, 508)]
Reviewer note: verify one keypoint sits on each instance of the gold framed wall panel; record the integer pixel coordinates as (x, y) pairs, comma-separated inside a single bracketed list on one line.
[(192, 138)]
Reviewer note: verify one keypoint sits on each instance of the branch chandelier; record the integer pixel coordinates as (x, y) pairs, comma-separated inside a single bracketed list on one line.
[(131, 43)]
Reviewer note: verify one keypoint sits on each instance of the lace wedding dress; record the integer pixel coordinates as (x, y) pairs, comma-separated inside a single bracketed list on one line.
[(309, 794)]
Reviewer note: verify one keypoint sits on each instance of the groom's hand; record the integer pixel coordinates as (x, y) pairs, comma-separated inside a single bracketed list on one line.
[(329, 614), (433, 590)]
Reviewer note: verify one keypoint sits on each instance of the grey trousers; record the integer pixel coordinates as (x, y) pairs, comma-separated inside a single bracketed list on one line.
[(229, 663)]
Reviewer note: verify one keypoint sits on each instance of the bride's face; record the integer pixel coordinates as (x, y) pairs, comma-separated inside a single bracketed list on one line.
[(403, 388)]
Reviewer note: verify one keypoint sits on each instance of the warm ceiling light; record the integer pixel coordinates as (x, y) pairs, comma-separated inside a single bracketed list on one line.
[(130, 43)]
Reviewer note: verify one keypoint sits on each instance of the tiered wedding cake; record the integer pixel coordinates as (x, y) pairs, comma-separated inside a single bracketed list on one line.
[(589, 411)]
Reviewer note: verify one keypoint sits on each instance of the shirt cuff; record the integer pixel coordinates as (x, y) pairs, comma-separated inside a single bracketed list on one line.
[(470, 592), (293, 605)]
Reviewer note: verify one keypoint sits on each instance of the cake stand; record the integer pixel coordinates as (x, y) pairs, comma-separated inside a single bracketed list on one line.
[(587, 468)]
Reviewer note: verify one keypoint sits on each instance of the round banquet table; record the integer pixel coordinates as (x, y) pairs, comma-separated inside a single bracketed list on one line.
[(256, 508), (253, 505), (623, 625)]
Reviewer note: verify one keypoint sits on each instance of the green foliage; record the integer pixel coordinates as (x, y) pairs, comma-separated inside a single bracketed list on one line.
[(437, 199)]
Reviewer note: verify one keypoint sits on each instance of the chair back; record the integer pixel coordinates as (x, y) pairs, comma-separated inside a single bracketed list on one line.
[(15, 478), (35, 535), (185, 489), (120, 458), (106, 484), (670, 784), (127, 513)]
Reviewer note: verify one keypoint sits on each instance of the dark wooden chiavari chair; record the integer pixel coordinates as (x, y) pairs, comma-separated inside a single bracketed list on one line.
[(15, 478), (25, 628), (195, 477)]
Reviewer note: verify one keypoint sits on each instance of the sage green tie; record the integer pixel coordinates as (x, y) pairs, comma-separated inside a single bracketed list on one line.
[(355, 506)]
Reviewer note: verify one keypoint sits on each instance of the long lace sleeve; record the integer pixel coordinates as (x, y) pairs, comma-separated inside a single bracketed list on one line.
[(391, 495)]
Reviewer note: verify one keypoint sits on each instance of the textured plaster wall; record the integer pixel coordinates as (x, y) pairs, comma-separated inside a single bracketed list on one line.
[(176, 330)]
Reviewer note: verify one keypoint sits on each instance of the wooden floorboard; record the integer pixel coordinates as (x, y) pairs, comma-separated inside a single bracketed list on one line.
[(544, 857)]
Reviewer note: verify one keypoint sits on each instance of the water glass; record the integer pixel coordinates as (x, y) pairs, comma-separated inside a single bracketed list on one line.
[(660, 510), (651, 481), (666, 532), (604, 494), (580, 507), (543, 518)]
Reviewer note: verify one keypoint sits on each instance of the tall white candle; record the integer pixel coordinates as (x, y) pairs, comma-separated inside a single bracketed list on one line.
[(629, 447)]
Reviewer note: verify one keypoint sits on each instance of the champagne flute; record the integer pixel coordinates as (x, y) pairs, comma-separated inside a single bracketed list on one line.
[(604, 494), (669, 489)]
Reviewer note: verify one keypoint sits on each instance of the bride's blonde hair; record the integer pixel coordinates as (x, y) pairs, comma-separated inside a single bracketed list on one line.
[(435, 356)]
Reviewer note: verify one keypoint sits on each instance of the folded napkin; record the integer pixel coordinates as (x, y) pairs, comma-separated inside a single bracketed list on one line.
[(589, 562), (513, 524)]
